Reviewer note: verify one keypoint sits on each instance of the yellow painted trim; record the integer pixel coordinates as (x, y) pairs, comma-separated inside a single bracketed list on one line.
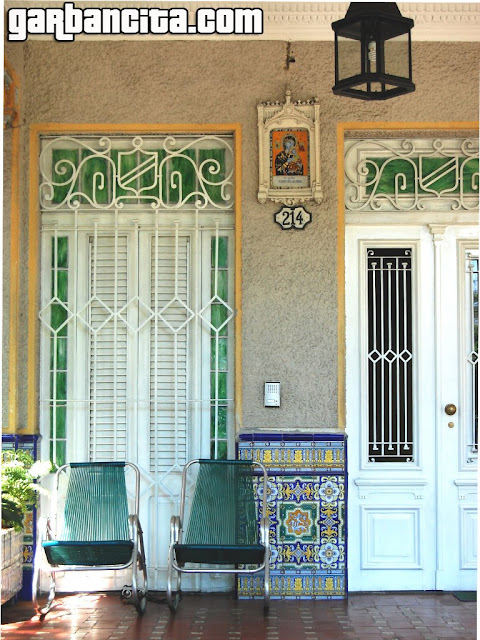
[(341, 345), (14, 262), (395, 126), (38, 129), (238, 280), (33, 277), (342, 127)]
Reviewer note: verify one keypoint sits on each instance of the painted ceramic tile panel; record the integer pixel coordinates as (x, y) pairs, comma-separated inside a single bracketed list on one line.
[(308, 515)]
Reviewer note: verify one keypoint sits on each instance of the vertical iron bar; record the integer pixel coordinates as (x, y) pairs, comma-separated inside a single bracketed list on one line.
[(175, 351), (397, 309), (217, 385), (406, 444), (390, 362), (115, 336), (382, 342), (55, 345), (374, 364)]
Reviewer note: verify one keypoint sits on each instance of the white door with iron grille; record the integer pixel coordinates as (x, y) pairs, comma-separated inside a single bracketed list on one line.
[(412, 406), (137, 315)]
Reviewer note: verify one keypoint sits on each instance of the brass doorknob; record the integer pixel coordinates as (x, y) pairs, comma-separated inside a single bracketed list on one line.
[(450, 409)]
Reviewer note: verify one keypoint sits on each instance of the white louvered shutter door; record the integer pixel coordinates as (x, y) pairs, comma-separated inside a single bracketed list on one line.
[(169, 351), (108, 348)]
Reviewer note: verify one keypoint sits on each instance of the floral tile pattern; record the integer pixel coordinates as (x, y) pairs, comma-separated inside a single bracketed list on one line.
[(306, 506)]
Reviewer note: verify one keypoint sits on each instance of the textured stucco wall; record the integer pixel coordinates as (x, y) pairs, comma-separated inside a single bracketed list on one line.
[(289, 278)]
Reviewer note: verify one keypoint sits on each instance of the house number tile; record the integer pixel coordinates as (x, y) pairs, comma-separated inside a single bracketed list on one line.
[(293, 217)]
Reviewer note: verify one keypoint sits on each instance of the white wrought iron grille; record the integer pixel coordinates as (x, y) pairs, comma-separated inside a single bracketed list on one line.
[(411, 175), (137, 298), (390, 354), (471, 361)]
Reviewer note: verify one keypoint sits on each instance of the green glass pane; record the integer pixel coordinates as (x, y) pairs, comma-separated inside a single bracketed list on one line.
[(62, 285), (222, 252), (222, 450), (213, 171), (61, 416), (61, 380), (219, 313), (61, 353), (58, 317), (183, 183), (222, 285), (62, 252), (61, 453), (437, 174), (222, 355), (127, 177), (149, 177), (222, 386), (64, 166), (222, 422), (94, 178), (470, 176), (386, 184)]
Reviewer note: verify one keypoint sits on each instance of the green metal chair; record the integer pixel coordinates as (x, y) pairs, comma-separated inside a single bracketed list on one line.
[(96, 531), (222, 525)]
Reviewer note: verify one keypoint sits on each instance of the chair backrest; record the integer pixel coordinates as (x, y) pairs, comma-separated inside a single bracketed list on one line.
[(223, 508), (96, 506)]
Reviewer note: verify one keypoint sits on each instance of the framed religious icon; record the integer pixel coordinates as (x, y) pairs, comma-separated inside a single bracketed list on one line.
[(289, 166)]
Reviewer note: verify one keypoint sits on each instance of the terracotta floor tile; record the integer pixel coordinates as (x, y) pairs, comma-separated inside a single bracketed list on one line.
[(411, 616)]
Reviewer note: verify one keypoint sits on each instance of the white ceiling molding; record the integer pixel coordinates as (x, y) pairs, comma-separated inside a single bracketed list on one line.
[(296, 21)]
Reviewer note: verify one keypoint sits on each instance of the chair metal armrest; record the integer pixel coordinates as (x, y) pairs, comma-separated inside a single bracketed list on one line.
[(175, 529), (45, 529), (264, 531)]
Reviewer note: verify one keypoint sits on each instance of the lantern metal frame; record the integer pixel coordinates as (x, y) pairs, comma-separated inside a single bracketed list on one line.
[(373, 22)]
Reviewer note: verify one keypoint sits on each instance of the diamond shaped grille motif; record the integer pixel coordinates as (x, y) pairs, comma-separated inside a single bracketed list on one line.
[(95, 314), (406, 356), (176, 314), (390, 356), (472, 357), (223, 306), (60, 310), (135, 314)]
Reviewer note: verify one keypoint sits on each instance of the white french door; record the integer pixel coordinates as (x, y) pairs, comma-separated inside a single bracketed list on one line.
[(411, 350), (137, 317)]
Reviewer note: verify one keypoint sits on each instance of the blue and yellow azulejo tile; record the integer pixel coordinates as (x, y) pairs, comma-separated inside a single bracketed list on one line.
[(306, 506)]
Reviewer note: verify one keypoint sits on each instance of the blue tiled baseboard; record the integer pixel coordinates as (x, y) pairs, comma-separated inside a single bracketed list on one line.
[(307, 509)]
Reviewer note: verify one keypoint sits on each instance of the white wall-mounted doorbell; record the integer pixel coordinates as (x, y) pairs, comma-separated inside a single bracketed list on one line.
[(272, 394)]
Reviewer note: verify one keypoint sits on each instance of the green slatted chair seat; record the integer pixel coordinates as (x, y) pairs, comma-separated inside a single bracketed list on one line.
[(95, 528), (222, 528)]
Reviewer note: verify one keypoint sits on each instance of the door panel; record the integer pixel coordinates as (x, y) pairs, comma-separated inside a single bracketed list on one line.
[(399, 378), (456, 255)]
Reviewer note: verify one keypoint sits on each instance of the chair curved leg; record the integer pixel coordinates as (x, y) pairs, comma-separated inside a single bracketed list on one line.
[(173, 597), (42, 609), (266, 592), (139, 579)]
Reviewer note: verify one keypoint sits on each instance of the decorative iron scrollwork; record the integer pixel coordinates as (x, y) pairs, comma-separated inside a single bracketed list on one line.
[(167, 172), (412, 175)]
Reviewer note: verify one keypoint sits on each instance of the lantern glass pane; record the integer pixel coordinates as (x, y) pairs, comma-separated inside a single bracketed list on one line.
[(396, 56), (349, 58)]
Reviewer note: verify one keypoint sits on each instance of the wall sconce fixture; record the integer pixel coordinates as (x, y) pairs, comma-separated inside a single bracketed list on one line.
[(373, 52)]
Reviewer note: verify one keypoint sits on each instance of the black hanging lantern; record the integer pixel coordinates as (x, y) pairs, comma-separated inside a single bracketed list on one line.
[(373, 52)]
